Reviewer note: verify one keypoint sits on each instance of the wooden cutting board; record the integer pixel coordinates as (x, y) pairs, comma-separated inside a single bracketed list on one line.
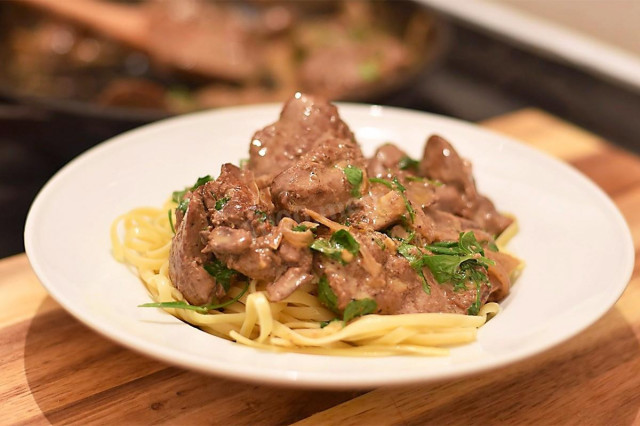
[(55, 370)]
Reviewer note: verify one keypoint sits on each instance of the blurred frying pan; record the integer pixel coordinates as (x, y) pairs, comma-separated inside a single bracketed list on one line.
[(75, 81)]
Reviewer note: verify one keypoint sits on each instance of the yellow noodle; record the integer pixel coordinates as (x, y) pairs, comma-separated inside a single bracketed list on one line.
[(142, 239)]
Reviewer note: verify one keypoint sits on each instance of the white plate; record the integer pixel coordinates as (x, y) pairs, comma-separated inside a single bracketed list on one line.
[(577, 247)]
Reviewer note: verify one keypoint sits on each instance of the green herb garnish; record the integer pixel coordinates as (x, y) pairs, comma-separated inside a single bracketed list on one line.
[(492, 246), (458, 262), (201, 309), (477, 304), (326, 295), (300, 228), (402, 189), (358, 308), (407, 162), (323, 324), (414, 256), (354, 177), (173, 229), (221, 273), (178, 196), (262, 216), (222, 202), (340, 240), (184, 204), (382, 181)]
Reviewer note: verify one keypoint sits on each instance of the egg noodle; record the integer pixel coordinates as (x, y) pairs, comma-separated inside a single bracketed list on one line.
[(142, 238)]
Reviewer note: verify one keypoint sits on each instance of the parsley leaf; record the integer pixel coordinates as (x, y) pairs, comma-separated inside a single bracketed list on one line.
[(382, 181), (326, 295), (178, 196), (407, 162), (323, 324), (201, 309), (183, 205), (415, 256), (300, 228), (358, 308), (222, 202), (340, 241), (354, 177), (458, 262), (402, 189), (477, 304), (221, 273), (173, 229)]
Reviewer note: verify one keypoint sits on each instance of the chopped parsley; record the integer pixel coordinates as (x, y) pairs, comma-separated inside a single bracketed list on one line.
[(407, 162), (354, 309), (173, 229), (340, 241), (382, 181), (263, 217), (178, 196), (201, 309), (354, 177), (221, 273), (326, 295), (222, 202), (491, 245), (358, 308), (415, 257), (456, 262), (300, 228)]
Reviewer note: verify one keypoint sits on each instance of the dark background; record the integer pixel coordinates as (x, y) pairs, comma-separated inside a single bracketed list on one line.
[(480, 76)]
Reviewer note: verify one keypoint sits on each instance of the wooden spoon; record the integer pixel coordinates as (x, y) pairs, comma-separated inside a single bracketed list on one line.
[(187, 35)]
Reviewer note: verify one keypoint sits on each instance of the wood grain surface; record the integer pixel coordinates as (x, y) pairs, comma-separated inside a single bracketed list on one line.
[(57, 371)]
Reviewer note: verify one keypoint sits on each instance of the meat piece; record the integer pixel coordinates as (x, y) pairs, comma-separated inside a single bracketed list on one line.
[(459, 194), (447, 226), (233, 198), (229, 240), (303, 120), (243, 233), (317, 180), (385, 162), (397, 288), (186, 259), (288, 283), (501, 273)]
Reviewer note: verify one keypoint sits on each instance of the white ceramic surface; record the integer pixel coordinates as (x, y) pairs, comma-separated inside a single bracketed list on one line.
[(577, 247)]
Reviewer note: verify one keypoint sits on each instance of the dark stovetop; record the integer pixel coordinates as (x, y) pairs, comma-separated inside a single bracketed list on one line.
[(480, 77)]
